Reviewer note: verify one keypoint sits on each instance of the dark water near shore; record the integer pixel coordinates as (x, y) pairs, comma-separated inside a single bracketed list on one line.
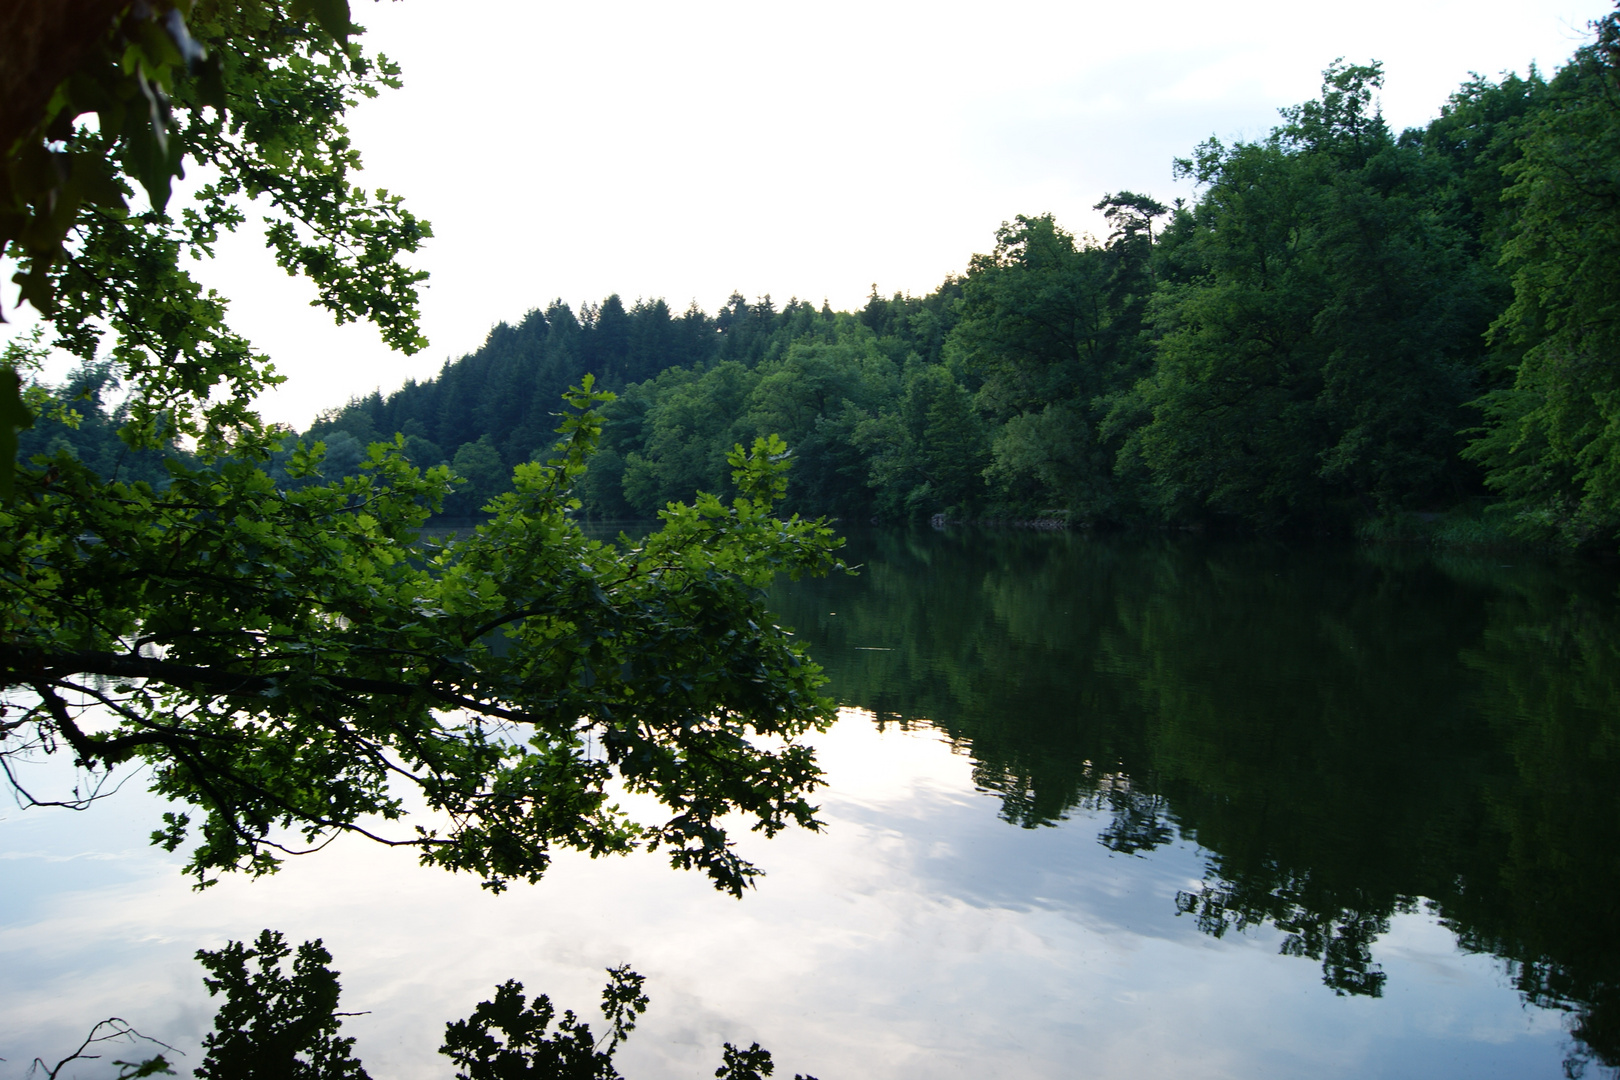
[(1347, 734), (1113, 807)]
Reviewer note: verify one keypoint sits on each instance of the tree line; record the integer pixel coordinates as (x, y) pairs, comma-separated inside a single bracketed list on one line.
[(1346, 324)]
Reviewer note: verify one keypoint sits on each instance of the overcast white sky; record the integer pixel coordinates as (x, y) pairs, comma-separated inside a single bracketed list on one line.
[(812, 150)]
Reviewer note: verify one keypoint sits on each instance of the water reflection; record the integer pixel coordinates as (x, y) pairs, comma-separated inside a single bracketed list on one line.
[(1362, 759), (1348, 735)]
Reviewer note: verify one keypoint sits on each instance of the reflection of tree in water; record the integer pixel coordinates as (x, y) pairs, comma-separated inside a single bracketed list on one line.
[(278, 1018), (1338, 936), (1342, 732), (1548, 670), (1140, 818)]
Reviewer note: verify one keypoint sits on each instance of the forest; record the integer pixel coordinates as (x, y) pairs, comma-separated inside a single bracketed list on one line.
[(1349, 329)]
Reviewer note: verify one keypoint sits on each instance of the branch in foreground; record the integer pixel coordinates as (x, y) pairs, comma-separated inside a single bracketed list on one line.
[(283, 662)]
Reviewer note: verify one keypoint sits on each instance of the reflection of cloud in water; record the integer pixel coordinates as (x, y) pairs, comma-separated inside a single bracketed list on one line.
[(920, 936), (895, 774)]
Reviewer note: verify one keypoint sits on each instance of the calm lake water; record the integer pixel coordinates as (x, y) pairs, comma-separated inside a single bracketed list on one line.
[(1098, 807)]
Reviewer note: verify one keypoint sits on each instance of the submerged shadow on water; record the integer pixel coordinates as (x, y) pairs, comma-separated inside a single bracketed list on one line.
[(1349, 734)]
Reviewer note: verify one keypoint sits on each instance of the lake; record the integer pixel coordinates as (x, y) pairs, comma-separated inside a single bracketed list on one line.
[(1097, 806)]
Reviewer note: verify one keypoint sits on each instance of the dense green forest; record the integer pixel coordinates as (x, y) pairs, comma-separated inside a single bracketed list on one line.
[(1348, 327)]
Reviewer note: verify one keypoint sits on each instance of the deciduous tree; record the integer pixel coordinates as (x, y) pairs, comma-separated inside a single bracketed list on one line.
[(290, 661)]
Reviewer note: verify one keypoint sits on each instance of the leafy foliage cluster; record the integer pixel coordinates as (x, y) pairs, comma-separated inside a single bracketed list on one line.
[(1549, 444), (260, 624), (1348, 324), (287, 658), (255, 93)]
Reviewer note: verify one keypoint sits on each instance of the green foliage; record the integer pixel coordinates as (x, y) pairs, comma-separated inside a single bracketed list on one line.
[(1045, 320), (1295, 349), (928, 453), (79, 419), (275, 1023), (259, 624), (1052, 332), (423, 453), (812, 396), (282, 655), (687, 436), (479, 465), (21, 355), (1320, 326), (257, 92), (812, 376), (1468, 527), (1552, 439), (127, 79), (751, 1064), (1478, 133), (1040, 460)]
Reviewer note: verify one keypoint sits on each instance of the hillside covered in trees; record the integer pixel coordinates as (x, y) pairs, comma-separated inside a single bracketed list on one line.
[(1347, 324)]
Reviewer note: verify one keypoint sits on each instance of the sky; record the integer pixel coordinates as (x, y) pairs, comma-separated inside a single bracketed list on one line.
[(814, 151)]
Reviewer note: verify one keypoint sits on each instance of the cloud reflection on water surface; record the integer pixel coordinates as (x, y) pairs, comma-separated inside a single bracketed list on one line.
[(920, 936)]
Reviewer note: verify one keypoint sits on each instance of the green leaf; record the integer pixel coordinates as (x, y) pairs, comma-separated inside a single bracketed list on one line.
[(14, 417), (91, 181), (211, 82), (331, 15)]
